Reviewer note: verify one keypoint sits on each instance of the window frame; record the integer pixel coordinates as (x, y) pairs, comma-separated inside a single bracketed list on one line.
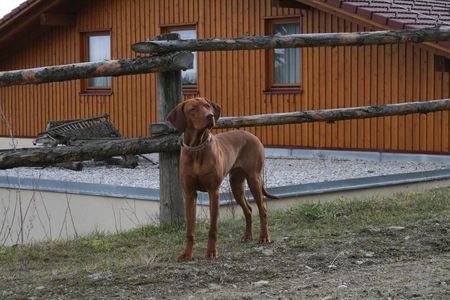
[(187, 89), (277, 88), (441, 63), (84, 57)]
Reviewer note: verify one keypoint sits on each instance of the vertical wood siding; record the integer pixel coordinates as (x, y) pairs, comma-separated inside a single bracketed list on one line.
[(331, 77)]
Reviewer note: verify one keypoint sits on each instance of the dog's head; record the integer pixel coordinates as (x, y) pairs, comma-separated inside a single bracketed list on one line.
[(196, 113)]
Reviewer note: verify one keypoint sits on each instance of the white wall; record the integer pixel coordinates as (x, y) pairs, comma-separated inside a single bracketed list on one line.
[(28, 216), (7, 143)]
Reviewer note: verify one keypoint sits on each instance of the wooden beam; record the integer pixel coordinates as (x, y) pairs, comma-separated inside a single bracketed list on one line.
[(171, 207), (298, 40), (98, 150), (54, 19), (101, 150), (118, 67), (289, 4), (324, 115)]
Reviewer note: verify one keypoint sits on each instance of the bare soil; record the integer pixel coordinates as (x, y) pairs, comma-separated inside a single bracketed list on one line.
[(400, 258)]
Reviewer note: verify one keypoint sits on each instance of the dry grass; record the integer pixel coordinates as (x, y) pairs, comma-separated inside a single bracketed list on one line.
[(92, 264)]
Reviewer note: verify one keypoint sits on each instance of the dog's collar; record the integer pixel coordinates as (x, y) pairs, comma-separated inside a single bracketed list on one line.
[(195, 148)]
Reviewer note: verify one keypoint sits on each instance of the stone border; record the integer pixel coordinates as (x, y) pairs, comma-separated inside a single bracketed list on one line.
[(226, 198), (362, 155)]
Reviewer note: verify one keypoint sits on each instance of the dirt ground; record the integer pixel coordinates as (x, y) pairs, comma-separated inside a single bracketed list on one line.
[(378, 264), (388, 263), (410, 259)]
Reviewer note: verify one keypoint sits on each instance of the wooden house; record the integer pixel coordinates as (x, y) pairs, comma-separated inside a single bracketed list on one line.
[(51, 32)]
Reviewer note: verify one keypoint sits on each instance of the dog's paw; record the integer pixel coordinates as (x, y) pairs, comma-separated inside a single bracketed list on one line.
[(211, 253), (246, 237), (264, 240), (185, 257)]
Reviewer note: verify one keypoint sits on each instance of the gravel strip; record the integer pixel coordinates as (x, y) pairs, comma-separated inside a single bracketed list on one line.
[(278, 172)]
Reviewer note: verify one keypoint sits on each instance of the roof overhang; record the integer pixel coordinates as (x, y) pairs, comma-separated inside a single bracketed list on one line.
[(31, 19), (347, 12)]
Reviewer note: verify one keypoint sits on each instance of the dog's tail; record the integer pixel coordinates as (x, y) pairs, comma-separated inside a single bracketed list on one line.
[(267, 194)]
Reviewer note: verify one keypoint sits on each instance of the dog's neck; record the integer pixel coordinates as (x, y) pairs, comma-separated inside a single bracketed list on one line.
[(195, 139)]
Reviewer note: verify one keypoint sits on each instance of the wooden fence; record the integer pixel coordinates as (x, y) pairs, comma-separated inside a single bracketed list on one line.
[(168, 63)]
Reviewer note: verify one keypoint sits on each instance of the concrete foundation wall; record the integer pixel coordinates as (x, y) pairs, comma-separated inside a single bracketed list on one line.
[(53, 210), (27, 216), (8, 143)]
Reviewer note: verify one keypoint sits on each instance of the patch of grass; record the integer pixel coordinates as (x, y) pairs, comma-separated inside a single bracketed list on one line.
[(159, 245), (355, 215)]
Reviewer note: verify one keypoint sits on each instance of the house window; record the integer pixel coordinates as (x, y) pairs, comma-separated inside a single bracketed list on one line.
[(284, 64), (441, 63), (188, 77), (96, 46)]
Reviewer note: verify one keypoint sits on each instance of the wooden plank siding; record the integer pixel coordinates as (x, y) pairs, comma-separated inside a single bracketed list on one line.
[(331, 77)]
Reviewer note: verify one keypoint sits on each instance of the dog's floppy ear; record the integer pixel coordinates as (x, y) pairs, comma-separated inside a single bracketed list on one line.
[(217, 109), (176, 117)]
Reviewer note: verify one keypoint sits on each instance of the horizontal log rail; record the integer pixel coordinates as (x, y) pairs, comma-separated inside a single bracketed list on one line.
[(324, 115), (131, 66), (183, 60), (297, 40), (100, 150)]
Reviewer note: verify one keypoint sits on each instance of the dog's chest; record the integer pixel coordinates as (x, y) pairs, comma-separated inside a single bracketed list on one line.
[(200, 167), (205, 172)]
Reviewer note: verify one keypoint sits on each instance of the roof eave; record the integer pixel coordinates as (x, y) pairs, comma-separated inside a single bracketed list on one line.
[(364, 18), (18, 12)]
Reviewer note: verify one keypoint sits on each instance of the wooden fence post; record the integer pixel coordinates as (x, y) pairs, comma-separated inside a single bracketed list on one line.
[(171, 196)]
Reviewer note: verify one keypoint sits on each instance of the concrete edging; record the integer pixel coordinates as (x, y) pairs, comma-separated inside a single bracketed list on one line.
[(80, 188), (362, 155), (283, 192)]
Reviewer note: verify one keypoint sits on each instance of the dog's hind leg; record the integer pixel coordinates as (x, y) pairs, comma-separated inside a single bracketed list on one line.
[(237, 179), (255, 185)]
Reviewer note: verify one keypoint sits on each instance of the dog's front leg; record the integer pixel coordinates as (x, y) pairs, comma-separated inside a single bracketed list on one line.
[(190, 207), (211, 250)]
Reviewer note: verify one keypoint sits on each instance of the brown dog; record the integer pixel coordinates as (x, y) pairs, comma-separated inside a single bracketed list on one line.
[(206, 159)]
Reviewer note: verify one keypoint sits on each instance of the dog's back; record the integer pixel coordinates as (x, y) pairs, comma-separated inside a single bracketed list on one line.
[(242, 150)]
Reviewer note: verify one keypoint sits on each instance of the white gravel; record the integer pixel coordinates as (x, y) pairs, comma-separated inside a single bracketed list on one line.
[(278, 172)]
